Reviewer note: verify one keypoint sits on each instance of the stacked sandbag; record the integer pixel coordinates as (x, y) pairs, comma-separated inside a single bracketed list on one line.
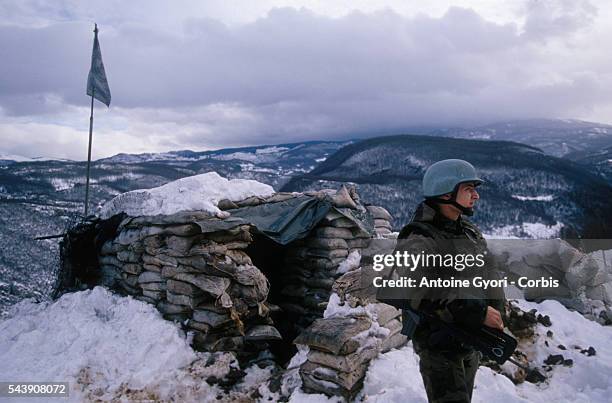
[(382, 220), (314, 263), (194, 267), (389, 318), (341, 348), (354, 330), (203, 279), (336, 363)]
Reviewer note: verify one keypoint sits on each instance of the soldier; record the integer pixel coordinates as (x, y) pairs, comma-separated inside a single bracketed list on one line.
[(448, 367)]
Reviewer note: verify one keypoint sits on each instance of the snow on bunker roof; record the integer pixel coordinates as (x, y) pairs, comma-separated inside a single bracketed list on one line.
[(199, 192)]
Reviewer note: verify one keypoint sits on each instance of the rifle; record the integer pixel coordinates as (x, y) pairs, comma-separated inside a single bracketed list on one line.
[(492, 343)]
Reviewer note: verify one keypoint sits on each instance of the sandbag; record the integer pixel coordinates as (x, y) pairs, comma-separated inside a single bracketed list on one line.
[(212, 285), (132, 268), (345, 363), (262, 332), (347, 380), (334, 335), (169, 308), (395, 341), (379, 213), (149, 277), (180, 299), (127, 256), (181, 287), (327, 243)]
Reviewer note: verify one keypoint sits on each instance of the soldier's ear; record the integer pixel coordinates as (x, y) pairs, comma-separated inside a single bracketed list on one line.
[(446, 196)]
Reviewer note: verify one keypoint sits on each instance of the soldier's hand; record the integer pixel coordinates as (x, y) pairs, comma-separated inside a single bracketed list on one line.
[(493, 319)]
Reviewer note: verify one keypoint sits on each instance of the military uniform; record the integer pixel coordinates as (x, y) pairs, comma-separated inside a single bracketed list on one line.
[(448, 367)]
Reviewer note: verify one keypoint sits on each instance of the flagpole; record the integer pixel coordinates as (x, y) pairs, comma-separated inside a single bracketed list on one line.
[(93, 90), (89, 152)]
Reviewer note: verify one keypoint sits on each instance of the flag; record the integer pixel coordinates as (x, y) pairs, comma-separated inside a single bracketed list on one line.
[(96, 80)]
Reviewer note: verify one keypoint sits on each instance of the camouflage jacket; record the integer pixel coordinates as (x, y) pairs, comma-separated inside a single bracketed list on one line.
[(431, 233)]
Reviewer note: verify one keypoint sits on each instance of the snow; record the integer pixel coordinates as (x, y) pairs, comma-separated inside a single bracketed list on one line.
[(270, 150), (254, 377), (254, 168), (291, 378), (21, 158), (350, 263), (100, 343), (237, 156), (260, 155), (111, 347), (200, 192), (125, 175), (394, 376), (414, 161), (372, 336), (300, 397), (336, 308), (526, 230), (533, 198), (60, 184)]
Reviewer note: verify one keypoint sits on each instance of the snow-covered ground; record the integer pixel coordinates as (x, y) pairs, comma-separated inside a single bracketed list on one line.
[(526, 230), (394, 376), (258, 156), (107, 346), (21, 158), (199, 192), (534, 198)]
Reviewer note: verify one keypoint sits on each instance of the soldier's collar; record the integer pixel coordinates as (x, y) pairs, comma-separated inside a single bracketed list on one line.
[(446, 223)]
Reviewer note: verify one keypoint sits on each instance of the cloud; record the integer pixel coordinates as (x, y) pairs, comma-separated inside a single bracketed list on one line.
[(546, 19), (295, 74)]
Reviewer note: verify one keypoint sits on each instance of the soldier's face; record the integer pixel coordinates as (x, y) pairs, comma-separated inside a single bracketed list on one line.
[(467, 195)]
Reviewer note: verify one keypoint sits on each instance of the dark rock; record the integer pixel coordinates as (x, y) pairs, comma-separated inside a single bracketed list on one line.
[(554, 359), (535, 376), (568, 363), (226, 204), (545, 320), (549, 333), (589, 352), (605, 317), (520, 323), (561, 347)]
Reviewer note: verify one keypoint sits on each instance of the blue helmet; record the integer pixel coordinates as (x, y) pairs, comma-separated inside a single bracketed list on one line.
[(443, 177)]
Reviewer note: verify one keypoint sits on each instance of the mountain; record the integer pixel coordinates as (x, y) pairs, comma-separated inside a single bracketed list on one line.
[(587, 143), (523, 184), (39, 198), (529, 194)]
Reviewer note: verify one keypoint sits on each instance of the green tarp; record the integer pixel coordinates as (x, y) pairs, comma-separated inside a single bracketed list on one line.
[(285, 221)]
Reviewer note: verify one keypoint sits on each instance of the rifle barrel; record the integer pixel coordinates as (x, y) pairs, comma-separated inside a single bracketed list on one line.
[(40, 238), (518, 364)]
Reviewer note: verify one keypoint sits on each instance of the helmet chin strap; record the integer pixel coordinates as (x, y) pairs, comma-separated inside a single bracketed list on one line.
[(468, 211)]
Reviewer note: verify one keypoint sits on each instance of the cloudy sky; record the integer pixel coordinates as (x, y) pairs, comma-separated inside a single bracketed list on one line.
[(210, 74)]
